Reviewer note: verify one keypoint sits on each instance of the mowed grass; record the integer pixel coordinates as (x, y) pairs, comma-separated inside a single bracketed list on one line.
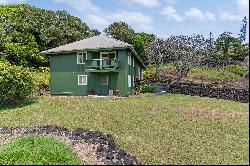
[(37, 150), (166, 129)]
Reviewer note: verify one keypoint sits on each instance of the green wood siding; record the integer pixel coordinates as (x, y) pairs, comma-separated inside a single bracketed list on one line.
[(65, 71)]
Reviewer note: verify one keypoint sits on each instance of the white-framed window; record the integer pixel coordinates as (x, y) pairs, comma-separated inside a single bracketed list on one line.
[(129, 58), (139, 73), (105, 80), (129, 81), (82, 79), (108, 55), (133, 80), (81, 57)]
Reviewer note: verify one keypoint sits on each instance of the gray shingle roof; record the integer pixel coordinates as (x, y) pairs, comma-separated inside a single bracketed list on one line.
[(95, 42)]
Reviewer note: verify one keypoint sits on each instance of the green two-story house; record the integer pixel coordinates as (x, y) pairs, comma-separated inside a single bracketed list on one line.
[(98, 65)]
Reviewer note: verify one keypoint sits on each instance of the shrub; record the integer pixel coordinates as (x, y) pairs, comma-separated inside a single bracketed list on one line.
[(150, 74), (148, 88), (16, 83), (41, 78), (236, 69)]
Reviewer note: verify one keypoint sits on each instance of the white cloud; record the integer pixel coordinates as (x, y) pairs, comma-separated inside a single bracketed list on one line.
[(197, 14), (81, 5), (5, 2), (131, 17), (134, 19), (142, 3), (100, 18), (243, 5), (172, 14), (242, 9), (210, 16), (227, 16), (95, 19)]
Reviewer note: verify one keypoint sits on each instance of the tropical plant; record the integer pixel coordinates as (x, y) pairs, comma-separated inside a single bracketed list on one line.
[(16, 83)]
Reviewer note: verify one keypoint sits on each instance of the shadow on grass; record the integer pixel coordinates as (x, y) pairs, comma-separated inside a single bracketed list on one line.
[(20, 104)]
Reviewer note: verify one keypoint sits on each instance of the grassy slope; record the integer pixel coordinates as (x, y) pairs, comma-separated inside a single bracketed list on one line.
[(152, 128), (209, 72), (37, 150)]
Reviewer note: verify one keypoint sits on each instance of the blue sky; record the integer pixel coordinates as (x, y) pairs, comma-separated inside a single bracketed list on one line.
[(161, 17)]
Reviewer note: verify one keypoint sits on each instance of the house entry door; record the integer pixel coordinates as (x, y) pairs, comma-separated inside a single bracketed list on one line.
[(104, 85)]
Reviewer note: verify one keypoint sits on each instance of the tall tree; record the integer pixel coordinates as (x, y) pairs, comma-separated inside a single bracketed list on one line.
[(243, 30), (120, 31), (30, 30), (140, 43), (230, 48)]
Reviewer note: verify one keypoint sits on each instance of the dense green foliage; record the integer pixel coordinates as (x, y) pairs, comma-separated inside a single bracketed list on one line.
[(27, 30), (231, 48), (16, 83), (237, 69), (37, 150), (120, 31), (41, 77), (140, 41), (168, 129), (148, 88)]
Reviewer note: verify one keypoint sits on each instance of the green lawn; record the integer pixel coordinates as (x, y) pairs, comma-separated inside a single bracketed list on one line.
[(167, 129), (37, 150)]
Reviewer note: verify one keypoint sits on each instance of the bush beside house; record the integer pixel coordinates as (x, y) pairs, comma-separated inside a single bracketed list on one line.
[(16, 83)]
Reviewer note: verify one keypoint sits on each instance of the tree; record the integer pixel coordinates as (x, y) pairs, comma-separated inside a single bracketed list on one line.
[(185, 52), (29, 30), (120, 31), (230, 48), (140, 43), (243, 30)]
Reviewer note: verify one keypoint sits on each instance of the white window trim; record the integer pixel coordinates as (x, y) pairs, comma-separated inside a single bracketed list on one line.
[(129, 58), (107, 77), (139, 73), (101, 53), (133, 61), (129, 81), (86, 79), (81, 55), (133, 81)]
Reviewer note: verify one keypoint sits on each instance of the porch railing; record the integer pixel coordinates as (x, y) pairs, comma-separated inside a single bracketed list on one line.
[(102, 64)]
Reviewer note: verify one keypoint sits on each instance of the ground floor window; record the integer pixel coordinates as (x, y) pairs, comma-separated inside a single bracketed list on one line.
[(129, 81), (82, 80), (133, 80), (105, 80)]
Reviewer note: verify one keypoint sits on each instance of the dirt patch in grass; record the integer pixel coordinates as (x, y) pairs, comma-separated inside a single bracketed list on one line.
[(216, 114)]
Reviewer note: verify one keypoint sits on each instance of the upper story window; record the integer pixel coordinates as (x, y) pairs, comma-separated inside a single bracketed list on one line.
[(108, 55), (129, 59), (81, 57), (133, 61)]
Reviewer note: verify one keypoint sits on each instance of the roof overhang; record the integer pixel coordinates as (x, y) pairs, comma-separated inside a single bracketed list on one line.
[(97, 49)]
